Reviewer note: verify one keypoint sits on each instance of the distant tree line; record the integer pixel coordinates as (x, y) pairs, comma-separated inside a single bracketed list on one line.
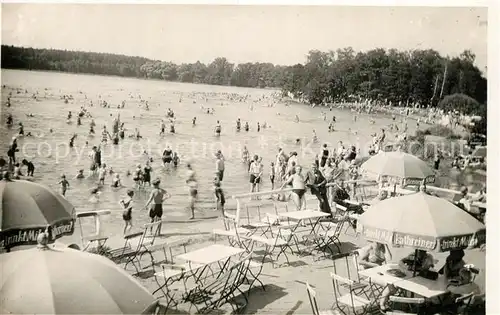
[(387, 76)]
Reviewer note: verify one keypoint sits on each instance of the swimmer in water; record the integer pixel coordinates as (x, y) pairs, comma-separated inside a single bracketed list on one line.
[(162, 128), (238, 125), (245, 155), (217, 129), (72, 140), (192, 184)]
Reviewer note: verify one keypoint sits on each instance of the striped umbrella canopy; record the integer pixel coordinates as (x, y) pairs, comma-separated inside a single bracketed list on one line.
[(27, 209), (397, 164), (421, 221), (44, 280)]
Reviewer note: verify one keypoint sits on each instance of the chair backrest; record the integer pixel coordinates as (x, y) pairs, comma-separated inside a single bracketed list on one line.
[(350, 262), (174, 244), (465, 299), (229, 222), (339, 282), (312, 299), (406, 300), (155, 230), (136, 235), (242, 266)]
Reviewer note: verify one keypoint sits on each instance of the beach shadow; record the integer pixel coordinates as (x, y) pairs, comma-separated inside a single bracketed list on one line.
[(144, 274), (297, 263), (166, 235), (162, 310), (259, 299), (345, 247), (200, 219)]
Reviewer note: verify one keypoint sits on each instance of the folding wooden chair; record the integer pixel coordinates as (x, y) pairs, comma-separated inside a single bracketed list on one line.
[(130, 252), (350, 264), (346, 299), (232, 231), (462, 304), (328, 235), (279, 241), (314, 304), (174, 272), (261, 226), (220, 291), (405, 305)]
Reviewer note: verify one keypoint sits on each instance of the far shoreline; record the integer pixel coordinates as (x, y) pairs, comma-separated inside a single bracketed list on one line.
[(137, 78)]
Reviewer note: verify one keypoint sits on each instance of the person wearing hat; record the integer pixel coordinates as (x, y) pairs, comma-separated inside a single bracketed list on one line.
[(156, 198)]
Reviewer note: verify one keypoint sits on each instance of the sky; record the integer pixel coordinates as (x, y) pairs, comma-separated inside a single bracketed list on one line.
[(277, 34)]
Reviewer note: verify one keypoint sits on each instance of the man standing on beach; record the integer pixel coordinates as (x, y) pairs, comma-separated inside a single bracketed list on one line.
[(156, 198), (219, 165)]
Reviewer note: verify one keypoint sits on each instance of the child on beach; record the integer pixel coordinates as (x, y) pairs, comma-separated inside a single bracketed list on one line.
[(94, 195), (137, 176), (64, 185), (80, 175), (30, 166), (102, 174), (116, 182), (17, 171), (175, 159), (126, 203), (146, 177)]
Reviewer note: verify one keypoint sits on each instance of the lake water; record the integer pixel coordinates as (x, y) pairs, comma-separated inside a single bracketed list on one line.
[(52, 156)]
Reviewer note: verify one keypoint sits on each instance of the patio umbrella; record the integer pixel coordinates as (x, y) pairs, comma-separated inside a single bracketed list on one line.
[(27, 209), (53, 280), (423, 222), (397, 164)]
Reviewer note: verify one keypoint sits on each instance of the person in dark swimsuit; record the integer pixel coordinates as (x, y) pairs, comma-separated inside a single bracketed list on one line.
[(218, 128), (30, 166), (219, 194), (167, 156), (11, 152), (175, 159), (238, 125), (156, 199), (146, 177), (127, 212), (21, 129), (324, 156)]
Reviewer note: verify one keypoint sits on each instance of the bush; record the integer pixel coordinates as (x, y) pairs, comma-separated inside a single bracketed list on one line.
[(461, 102), (441, 131)]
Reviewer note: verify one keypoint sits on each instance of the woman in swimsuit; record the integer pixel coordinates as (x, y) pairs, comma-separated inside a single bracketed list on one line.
[(146, 177), (218, 128), (167, 156), (298, 187)]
